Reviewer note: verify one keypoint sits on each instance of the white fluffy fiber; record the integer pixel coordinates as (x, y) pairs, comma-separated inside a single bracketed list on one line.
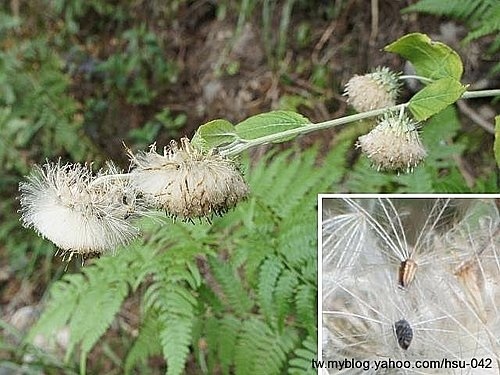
[(186, 182), (62, 205)]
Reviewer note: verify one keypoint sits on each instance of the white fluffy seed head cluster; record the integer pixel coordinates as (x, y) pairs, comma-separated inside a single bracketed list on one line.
[(393, 145), (452, 306), (375, 90), (186, 182), (61, 203)]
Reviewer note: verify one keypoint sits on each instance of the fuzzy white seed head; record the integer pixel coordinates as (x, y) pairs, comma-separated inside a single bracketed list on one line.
[(62, 205), (393, 145), (375, 90), (186, 182)]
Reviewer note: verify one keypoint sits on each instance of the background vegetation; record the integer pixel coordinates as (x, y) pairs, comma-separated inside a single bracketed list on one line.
[(78, 78)]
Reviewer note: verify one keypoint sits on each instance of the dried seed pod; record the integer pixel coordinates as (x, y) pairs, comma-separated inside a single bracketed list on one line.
[(404, 333), (186, 182), (406, 274)]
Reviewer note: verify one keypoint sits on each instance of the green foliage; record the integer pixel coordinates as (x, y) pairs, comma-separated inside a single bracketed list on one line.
[(37, 120), (245, 286), (435, 97), (481, 16), (140, 69), (269, 123), (301, 364), (163, 123), (145, 345), (431, 59), (213, 134)]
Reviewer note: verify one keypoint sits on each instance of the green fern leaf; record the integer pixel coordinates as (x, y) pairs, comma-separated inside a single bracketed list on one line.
[(229, 328), (301, 363), (64, 296), (175, 338), (236, 298), (145, 345), (104, 296), (283, 294), (260, 350), (461, 9), (269, 273), (307, 307)]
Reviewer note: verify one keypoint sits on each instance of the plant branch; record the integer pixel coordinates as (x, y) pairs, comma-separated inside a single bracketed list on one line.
[(241, 145), (480, 94)]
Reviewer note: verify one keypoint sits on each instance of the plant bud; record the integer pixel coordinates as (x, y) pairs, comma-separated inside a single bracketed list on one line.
[(375, 90), (393, 145)]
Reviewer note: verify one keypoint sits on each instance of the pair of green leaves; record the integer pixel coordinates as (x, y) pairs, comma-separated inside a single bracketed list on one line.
[(434, 61), (437, 62), (220, 132)]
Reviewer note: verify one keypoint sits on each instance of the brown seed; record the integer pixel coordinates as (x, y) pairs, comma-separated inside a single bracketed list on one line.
[(407, 271)]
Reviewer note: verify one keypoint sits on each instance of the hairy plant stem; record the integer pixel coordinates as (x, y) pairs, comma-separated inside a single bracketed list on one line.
[(241, 145)]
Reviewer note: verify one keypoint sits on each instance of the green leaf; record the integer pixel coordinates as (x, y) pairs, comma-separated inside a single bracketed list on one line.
[(431, 59), (270, 123), (496, 147), (435, 97), (213, 134)]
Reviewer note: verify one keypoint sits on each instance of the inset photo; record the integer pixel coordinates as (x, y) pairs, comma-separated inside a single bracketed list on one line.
[(409, 284)]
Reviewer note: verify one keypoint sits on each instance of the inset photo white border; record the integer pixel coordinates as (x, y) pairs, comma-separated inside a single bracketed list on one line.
[(408, 283)]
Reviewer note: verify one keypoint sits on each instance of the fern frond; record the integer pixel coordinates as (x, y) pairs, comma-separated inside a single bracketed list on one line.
[(461, 9), (283, 294), (229, 327), (269, 273), (64, 296), (236, 297), (221, 335), (175, 338), (297, 238), (88, 302), (171, 297), (306, 304), (105, 295), (302, 362), (145, 345), (489, 25), (260, 350), (175, 306)]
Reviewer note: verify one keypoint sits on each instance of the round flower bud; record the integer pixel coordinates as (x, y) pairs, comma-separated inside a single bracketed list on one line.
[(67, 205), (186, 182), (375, 90), (393, 145)]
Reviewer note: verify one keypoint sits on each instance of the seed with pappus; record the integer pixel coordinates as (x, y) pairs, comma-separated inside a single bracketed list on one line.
[(393, 145), (411, 279), (375, 90), (186, 182), (80, 215)]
